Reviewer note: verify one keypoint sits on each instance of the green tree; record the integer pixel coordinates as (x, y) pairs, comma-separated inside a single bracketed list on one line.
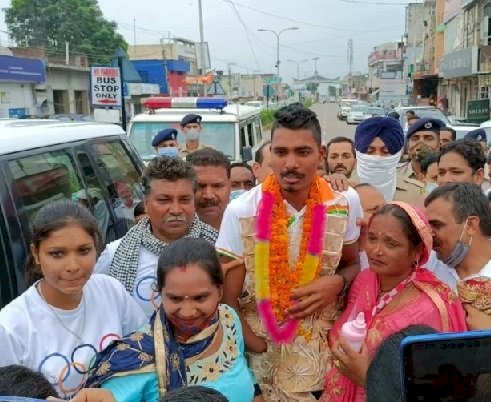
[(51, 23)]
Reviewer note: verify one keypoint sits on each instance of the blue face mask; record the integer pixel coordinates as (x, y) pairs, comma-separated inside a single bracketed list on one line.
[(170, 152), (459, 252), (236, 193)]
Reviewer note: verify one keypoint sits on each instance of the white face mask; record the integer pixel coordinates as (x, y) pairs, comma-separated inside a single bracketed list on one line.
[(379, 172)]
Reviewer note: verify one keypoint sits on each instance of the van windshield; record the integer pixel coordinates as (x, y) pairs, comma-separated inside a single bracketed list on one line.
[(217, 135)]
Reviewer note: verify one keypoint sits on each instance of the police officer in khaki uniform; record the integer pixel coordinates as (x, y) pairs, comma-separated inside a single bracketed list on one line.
[(191, 128), (422, 135)]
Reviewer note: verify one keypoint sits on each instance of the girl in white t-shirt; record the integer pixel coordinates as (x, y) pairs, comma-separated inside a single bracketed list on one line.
[(67, 315)]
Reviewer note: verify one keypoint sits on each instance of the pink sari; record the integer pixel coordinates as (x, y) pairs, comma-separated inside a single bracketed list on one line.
[(434, 304)]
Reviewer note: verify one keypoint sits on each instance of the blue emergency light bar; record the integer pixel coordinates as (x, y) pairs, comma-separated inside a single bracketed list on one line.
[(163, 102)]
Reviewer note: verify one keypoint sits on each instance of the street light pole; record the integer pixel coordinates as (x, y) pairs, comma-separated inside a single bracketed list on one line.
[(298, 65), (315, 64), (202, 52), (278, 34)]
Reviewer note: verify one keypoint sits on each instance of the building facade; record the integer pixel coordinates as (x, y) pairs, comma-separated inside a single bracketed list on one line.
[(450, 66), (386, 81), (170, 75), (34, 85)]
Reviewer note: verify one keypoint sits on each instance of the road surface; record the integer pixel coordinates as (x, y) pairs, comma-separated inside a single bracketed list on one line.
[(331, 126)]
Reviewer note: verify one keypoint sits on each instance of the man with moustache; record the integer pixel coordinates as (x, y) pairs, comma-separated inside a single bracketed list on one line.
[(213, 172), (169, 185), (422, 137), (341, 156), (294, 371)]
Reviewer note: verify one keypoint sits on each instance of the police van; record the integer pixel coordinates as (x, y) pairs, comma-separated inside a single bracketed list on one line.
[(46, 160), (234, 130)]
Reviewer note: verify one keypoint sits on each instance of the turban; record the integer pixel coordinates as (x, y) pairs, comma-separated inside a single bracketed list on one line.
[(387, 129)]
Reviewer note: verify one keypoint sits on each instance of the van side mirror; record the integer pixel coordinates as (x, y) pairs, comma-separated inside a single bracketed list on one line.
[(246, 154)]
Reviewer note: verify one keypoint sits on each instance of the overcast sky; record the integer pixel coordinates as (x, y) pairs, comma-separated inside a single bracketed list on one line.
[(230, 28)]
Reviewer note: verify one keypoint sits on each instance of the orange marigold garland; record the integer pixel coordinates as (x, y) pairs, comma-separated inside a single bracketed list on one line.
[(275, 278)]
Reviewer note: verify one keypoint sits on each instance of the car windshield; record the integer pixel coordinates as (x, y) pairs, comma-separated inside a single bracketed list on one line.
[(359, 108), (218, 135)]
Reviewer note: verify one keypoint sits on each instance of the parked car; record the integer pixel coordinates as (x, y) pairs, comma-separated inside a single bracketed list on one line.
[(256, 104), (357, 114), (428, 111), (344, 108), (47, 160), (373, 111)]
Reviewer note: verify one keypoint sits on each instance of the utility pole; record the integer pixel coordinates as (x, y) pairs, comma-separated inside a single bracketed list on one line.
[(229, 67), (134, 31), (278, 34), (349, 57), (202, 47)]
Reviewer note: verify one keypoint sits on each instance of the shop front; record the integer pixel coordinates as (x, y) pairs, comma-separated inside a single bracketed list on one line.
[(460, 81)]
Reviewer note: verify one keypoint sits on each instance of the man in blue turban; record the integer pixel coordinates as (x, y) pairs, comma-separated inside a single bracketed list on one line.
[(388, 130), (378, 143)]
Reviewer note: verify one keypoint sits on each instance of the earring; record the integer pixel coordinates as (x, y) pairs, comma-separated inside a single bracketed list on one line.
[(416, 263)]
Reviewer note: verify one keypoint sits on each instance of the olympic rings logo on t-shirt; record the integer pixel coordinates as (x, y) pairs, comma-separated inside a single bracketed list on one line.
[(154, 297), (73, 365)]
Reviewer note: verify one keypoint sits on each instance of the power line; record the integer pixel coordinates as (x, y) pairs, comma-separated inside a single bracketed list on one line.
[(146, 30), (269, 14), (374, 3), (246, 29)]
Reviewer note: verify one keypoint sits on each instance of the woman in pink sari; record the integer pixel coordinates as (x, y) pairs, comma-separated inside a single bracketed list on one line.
[(394, 293)]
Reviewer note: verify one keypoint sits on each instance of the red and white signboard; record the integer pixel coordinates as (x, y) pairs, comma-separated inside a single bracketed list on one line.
[(105, 86)]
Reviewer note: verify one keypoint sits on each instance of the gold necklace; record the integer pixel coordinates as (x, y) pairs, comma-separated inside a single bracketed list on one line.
[(60, 321)]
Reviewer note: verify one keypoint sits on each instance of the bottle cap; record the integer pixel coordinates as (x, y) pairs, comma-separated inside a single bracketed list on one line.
[(359, 325)]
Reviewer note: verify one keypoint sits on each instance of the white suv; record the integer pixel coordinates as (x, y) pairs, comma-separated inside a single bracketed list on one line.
[(45, 160)]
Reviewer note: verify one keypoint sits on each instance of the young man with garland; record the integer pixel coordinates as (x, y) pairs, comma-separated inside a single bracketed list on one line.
[(298, 240)]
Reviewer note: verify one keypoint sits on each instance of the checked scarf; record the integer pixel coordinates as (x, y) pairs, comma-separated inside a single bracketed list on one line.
[(124, 265)]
